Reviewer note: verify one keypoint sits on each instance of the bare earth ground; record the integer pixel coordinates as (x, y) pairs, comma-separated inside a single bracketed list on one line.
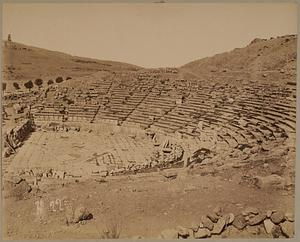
[(138, 203)]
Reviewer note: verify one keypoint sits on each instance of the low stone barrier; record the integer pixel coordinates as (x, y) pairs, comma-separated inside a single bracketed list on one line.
[(271, 223)]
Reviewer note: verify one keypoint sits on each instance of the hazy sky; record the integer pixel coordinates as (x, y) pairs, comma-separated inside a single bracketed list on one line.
[(149, 35)]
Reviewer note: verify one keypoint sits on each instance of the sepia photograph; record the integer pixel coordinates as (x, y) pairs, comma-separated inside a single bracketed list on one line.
[(155, 120)]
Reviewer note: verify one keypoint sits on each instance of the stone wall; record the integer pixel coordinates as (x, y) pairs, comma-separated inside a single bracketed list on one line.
[(14, 137)]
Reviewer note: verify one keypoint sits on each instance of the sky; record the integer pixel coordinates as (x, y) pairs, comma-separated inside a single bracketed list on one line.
[(148, 35)]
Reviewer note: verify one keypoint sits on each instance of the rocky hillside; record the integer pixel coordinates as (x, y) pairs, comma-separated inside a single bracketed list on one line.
[(23, 63), (272, 60), (260, 56)]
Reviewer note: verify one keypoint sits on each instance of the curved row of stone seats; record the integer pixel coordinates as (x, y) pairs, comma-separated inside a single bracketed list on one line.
[(108, 116), (249, 136), (209, 122), (242, 136), (235, 133), (174, 119), (119, 111), (265, 132), (154, 102), (48, 112), (247, 114), (227, 133), (222, 135), (44, 116), (167, 128), (81, 113), (287, 123), (152, 108), (86, 108), (120, 104), (189, 131), (272, 108), (220, 104), (269, 129), (266, 99), (116, 108), (188, 111)]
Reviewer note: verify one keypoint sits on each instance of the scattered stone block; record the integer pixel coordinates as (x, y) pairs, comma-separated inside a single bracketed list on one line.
[(276, 231), (213, 217), (269, 213), (207, 223), (191, 234), (232, 231), (169, 174), (229, 218), (250, 210), (239, 222), (257, 219), (202, 233), (255, 230), (194, 226), (289, 217), (183, 232), (287, 229), (273, 180), (219, 226), (277, 217), (269, 225), (218, 211)]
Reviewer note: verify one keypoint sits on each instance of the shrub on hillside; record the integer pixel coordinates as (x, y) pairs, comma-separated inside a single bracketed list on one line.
[(50, 82), (59, 79), (38, 82), (16, 85), (28, 85)]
